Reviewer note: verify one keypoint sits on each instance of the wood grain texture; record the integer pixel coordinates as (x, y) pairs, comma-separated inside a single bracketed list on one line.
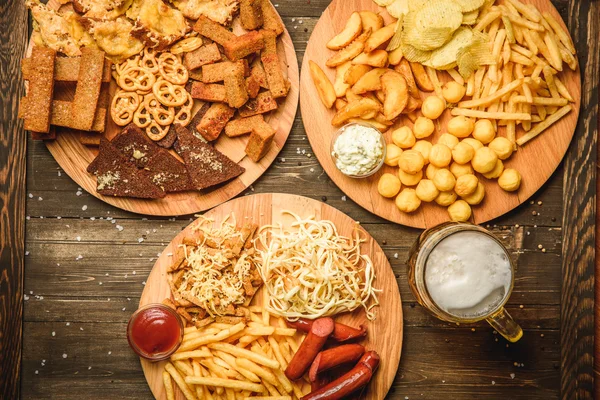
[(384, 333), (13, 141), (536, 161), (74, 157), (579, 197)]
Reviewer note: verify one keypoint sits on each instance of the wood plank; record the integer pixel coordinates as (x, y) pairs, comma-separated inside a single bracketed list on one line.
[(579, 197), (12, 195)]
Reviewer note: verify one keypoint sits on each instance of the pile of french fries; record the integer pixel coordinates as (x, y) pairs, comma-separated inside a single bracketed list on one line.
[(235, 362), (524, 87)]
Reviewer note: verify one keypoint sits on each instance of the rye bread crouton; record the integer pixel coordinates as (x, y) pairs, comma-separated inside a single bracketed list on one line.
[(242, 46), (243, 126), (213, 31), (278, 85), (135, 145), (215, 119), (206, 54), (263, 103), (260, 141), (251, 14), (209, 92)]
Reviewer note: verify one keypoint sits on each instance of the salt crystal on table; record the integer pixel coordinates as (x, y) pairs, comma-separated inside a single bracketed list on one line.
[(30, 195), (40, 198), (53, 333), (64, 355)]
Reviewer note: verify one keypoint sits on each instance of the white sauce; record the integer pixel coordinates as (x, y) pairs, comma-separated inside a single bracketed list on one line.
[(468, 274), (358, 150)]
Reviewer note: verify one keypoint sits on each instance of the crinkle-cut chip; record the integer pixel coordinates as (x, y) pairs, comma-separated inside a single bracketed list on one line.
[(447, 54), (397, 8), (466, 65), (414, 55), (470, 18), (469, 5), (396, 40), (471, 58), (414, 5), (383, 3), (429, 39), (439, 13), (446, 67)]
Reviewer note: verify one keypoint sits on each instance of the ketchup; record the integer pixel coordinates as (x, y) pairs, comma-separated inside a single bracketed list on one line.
[(155, 332)]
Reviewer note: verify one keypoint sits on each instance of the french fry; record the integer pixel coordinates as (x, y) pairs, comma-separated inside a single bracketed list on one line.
[(484, 114), (260, 331), (521, 50), (180, 381), (542, 101), (184, 367), (197, 372), (564, 38), (261, 372), (285, 331), (553, 51), (271, 389), (433, 77), (478, 81), (168, 385), (470, 85), (515, 19), (224, 334), (530, 42), (456, 76), (203, 353), (549, 77), (268, 398), (252, 356), (486, 20), (277, 352), (562, 89), (523, 9), (215, 369), (486, 101), (230, 360), (283, 380), (542, 126), (224, 383)]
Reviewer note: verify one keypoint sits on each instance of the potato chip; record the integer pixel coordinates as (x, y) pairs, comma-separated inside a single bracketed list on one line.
[(470, 58), (397, 8), (414, 5), (470, 18), (447, 54), (439, 13), (383, 3), (424, 39), (414, 55), (469, 5), (396, 40)]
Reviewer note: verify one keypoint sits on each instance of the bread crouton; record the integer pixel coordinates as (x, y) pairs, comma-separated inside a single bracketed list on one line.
[(209, 92), (242, 46), (251, 14), (258, 73), (37, 111), (263, 103), (252, 86), (271, 19), (207, 54), (278, 85), (213, 31), (243, 126), (87, 92), (260, 141), (215, 119), (235, 85), (212, 73)]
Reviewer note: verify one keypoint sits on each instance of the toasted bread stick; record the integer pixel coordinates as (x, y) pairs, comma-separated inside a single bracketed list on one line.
[(66, 69), (87, 93), (209, 92), (278, 85), (204, 55), (271, 19), (213, 31), (251, 14), (235, 85), (243, 126), (263, 103), (242, 46), (260, 142), (37, 112), (215, 119)]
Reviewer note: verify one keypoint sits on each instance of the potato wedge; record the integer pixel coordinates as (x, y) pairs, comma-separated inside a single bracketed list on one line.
[(376, 58), (380, 94), (421, 77), (340, 103), (339, 85), (395, 56), (351, 96), (355, 109), (396, 94), (380, 37), (371, 20), (369, 82), (382, 120), (351, 31), (323, 84), (412, 105), (350, 51), (355, 73), (404, 68)]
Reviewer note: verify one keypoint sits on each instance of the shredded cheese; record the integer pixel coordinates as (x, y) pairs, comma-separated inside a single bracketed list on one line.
[(311, 271)]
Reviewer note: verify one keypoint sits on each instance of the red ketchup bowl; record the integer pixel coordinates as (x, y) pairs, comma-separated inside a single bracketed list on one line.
[(155, 332)]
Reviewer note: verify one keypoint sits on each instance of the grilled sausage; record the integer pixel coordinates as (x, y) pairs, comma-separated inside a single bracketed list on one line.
[(341, 332), (333, 357), (310, 347)]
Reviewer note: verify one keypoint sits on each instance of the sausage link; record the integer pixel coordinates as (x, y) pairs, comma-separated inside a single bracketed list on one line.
[(341, 332), (310, 347), (333, 357), (321, 381)]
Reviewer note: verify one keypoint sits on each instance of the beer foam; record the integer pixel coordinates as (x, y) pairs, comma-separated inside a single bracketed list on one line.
[(468, 274)]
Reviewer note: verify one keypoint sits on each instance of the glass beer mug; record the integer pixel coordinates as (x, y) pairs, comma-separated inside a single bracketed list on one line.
[(461, 273)]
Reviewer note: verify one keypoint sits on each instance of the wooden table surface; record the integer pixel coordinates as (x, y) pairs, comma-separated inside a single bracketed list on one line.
[(85, 263)]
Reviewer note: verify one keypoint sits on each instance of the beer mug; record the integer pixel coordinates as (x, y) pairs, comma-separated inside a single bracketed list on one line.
[(461, 273)]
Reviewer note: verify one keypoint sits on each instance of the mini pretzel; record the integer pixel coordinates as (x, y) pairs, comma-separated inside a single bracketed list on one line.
[(131, 62), (156, 132), (171, 68), (123, 107), (142, 117), (161, 114), (149, 61), (168, 94), (186, 45), (136, 78), (184, 115)]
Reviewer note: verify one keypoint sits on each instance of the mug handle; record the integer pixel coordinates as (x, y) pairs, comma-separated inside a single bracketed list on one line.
[(505, 325)]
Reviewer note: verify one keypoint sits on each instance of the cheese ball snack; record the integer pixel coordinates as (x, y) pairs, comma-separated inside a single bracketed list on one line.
[(484, 131), (462, 153), (466, 185), (461, 169), (407, 201), (388, 185), (460, 126), (426, 191), (423, 147), (448, 139), (433, 107), (502, 147), (477, 196), (510, 180), (444, 180), (496, 172), (446, 198), (404, 137), (392, 155), (459, 211), (423, 127), (411, 161), (453, 92), (440, 155), (410, 179), (474, 143), (484, 160)]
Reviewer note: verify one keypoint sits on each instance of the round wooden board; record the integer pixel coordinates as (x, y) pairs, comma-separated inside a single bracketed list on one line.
[(74, 157), (536, 161), (385, 333)]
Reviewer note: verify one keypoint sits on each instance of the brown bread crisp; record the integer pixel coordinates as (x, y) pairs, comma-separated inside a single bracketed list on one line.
[(135, 145), (167, 173), (207, 166), (116, 176)]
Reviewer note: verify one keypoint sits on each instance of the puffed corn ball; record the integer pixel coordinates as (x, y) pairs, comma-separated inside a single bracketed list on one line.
[(433, 107), (423, 127), (440, 155), (462, 153), (460, 126), (510, 180), (411, 161), (477, 196), (423, 147), (388, 185), (392, 155), (453, 92), (444, 180), (448, 139), (459, 211), (484, 131), (484, 160), (496, 172), (445, 198), (466, 185), (461, 169), (502, 146), (404, 137), (474, 143), (407, 201), (410, 179), (426, 191), (430, 171)]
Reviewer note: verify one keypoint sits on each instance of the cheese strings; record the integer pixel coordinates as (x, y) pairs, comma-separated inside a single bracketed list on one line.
[(311, 271)]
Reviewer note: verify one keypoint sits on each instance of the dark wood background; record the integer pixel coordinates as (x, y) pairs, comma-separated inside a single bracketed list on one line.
[(85, 262)]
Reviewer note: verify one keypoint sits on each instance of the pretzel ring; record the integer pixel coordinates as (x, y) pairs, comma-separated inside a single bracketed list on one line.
[(131, 62), (136, 78), (149, 61), (124, 104), (172, 69), (156, 132), (161, 114), (186, 45), (168, 94), (142, 117), (184, 115)]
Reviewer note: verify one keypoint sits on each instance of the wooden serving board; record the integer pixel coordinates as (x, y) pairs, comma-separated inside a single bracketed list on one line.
[(384, 333), (74, 157), (536, 161)]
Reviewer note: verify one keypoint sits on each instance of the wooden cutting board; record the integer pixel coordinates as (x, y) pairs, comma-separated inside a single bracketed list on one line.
[(384, 333), (74, 157), (536, 161)]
